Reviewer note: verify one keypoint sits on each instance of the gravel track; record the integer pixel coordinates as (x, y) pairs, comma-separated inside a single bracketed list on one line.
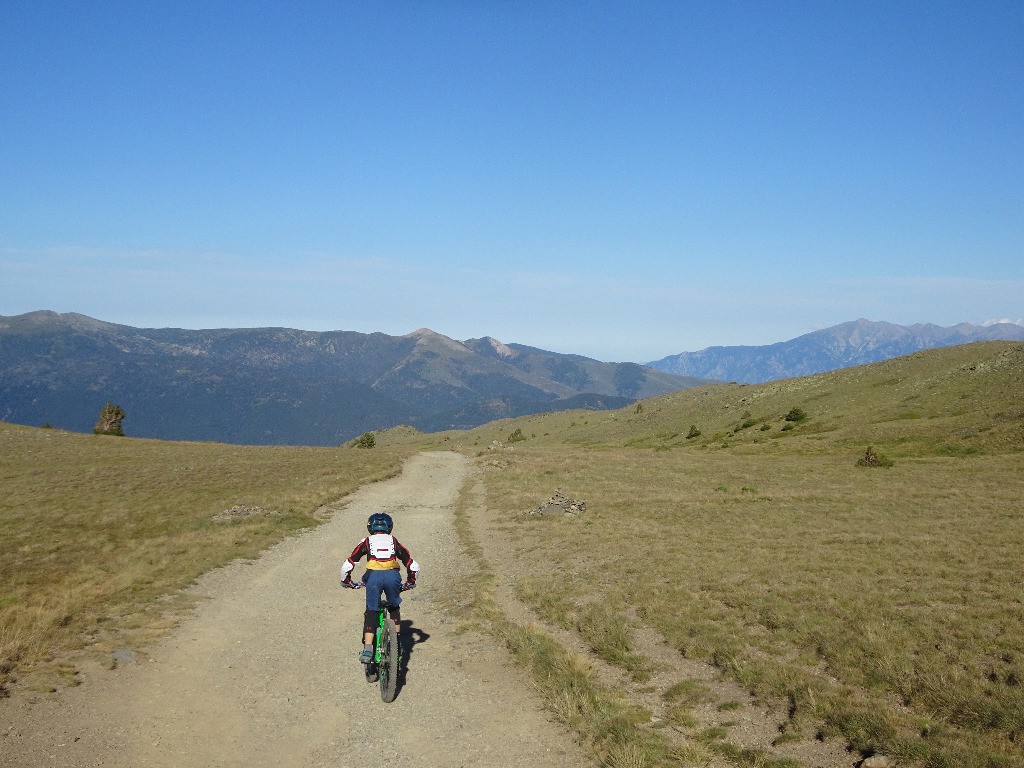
[(264, 672)]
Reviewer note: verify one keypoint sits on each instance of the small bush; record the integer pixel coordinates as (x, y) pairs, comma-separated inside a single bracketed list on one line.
[(516, 436), (694, 432), (796, 415), (366, 440), (872, 459)]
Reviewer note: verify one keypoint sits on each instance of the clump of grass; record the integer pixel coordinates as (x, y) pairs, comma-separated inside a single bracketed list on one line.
[(749, 758), (552, 605), (609, 636), (601, 625), (681, 715), (688, 692), (788, 737), (610, 724)]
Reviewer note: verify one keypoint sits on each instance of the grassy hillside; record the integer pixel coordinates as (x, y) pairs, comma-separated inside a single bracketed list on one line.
[(958, 400), (93, 530), (883, 606)]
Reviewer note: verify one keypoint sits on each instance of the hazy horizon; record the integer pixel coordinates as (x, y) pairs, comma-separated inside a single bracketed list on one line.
[(621, 182)]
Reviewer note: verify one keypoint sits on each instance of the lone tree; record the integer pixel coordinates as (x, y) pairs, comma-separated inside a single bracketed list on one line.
[(109, 422), (366, 440)]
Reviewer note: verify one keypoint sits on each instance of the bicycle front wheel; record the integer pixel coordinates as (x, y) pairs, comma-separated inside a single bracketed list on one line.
[(388, 661)]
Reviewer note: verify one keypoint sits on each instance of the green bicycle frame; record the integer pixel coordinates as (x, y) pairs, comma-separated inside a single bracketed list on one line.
[(382, 615)]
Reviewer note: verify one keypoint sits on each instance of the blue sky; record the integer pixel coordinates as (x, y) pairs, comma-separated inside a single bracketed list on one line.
[(620, 180)]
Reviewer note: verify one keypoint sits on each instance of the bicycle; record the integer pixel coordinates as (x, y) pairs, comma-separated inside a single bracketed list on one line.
[(387, 651)]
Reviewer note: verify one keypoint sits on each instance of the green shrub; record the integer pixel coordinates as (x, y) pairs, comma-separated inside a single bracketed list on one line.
[(872, 459), (694, 432), (366, 440), (796, 415), (516, 436)]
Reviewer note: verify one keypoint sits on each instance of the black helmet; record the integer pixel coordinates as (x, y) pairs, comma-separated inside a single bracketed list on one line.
[(380, 522)]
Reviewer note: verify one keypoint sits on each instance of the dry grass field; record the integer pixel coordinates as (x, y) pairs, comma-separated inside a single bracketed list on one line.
[(880, 605), (883, 606), (96, 532)]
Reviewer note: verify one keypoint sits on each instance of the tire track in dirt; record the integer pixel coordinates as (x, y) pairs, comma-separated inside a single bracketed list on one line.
[(264, 673)]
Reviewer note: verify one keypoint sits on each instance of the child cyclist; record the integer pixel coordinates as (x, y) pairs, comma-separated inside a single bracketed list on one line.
[(383, 553)]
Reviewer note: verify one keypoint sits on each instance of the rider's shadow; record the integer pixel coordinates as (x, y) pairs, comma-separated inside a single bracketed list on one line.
[(410, 637)]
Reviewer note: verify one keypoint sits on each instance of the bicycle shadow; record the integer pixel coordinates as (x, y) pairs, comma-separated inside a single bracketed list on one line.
[(409, 636)]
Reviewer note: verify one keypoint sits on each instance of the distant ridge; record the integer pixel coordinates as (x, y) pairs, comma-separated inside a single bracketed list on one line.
[(841, 346), (280, 386)]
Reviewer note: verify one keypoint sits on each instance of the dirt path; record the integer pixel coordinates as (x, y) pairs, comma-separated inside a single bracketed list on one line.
[(265, 672)]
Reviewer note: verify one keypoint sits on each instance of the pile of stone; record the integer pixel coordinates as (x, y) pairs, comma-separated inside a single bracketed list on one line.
[(560, 504)]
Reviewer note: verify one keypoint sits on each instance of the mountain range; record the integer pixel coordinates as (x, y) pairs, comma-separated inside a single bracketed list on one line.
[(280, 386), (290, 387), (854, 343)]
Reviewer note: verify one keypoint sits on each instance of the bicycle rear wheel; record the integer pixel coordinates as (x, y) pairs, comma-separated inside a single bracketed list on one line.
[(388, 661)]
